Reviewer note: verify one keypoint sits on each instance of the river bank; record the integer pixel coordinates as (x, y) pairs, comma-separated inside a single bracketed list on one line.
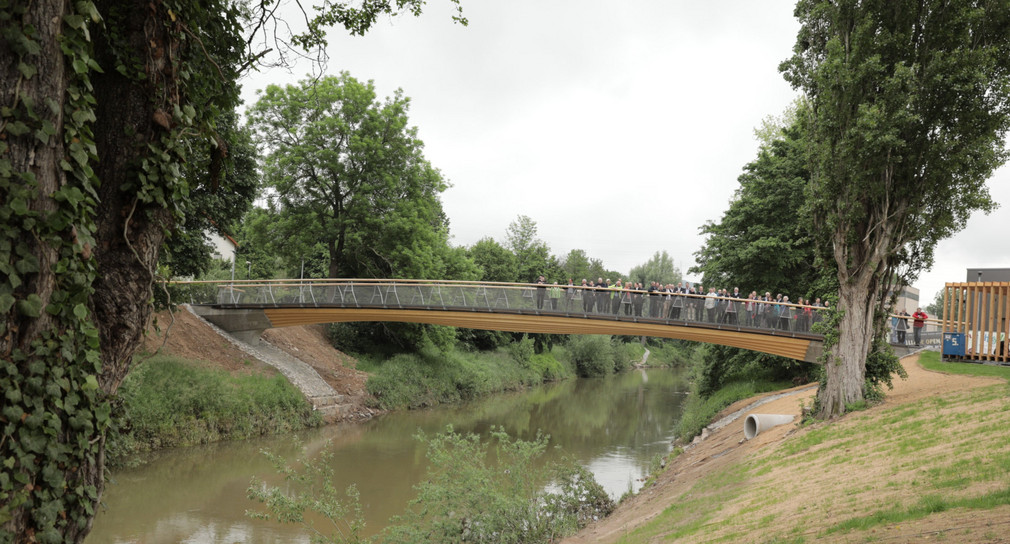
[(931, 461), (184, 335)]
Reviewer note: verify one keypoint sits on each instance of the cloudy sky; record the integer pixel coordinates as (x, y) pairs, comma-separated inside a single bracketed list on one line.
[(618, 127)]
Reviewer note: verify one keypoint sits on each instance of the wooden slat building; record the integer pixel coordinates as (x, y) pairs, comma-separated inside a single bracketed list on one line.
[(980, 311)]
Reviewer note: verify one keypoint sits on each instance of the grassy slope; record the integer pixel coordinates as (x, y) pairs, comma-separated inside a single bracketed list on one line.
[(889, 473)]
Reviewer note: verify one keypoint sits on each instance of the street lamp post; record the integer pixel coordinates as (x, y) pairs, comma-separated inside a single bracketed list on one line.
[(248, 274)]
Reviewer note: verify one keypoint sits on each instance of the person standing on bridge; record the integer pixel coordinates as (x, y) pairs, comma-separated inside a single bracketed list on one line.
[(638, 299), (918, 322), (677, 305), (733, 307), (711, 300), (541, 291), (615, 297), (602, 301), (555, 295), (626, 297)]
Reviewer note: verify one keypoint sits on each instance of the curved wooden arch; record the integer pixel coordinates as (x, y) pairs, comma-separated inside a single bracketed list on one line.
[(793, 347)]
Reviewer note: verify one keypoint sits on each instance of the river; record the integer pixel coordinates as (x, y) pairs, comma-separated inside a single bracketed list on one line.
[(615, 426)]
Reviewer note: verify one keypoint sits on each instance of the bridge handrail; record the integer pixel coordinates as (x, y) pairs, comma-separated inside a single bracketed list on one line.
[(467, 283)]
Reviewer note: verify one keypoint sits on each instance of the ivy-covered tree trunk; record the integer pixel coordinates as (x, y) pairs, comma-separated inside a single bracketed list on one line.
[(101, 103), (131, 122), (52, 415), (78, 253)]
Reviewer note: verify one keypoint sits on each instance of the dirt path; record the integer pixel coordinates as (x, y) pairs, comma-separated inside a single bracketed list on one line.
[(726, 448)]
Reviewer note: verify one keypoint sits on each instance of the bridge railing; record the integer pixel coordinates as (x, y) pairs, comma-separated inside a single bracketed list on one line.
[(538, 299)]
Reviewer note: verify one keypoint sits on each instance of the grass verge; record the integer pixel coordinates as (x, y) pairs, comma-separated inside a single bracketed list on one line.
[(699, 412), (930, 360)]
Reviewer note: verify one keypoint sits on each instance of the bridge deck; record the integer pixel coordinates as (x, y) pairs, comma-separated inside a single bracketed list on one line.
[(249, 307)]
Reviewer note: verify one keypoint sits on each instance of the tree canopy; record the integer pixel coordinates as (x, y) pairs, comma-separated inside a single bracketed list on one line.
[(658, 268), (347, 171), (762, 244)]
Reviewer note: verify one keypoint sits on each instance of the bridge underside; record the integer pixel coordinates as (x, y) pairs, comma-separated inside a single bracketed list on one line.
[(785, 344)]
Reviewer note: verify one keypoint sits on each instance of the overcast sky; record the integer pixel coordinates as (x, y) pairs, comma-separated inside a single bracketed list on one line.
[(619, 127)]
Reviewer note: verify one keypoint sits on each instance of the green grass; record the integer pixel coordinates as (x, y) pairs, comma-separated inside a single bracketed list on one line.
[(699, 412), (168, 402), (931, 361), (929, 504)]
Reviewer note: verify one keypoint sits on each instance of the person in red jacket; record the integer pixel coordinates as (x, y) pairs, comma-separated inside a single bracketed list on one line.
[(918, 321)]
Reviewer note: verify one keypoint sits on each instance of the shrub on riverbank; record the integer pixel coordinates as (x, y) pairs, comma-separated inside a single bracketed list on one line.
[(168, 402), (600, 355), (431, 377)]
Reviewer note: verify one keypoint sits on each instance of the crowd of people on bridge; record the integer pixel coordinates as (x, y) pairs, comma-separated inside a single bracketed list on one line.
[(681, 302)]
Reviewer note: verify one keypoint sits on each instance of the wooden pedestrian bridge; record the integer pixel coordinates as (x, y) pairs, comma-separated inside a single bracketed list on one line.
[(247, 308)]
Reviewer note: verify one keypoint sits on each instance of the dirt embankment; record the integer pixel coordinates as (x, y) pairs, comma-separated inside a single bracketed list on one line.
[(184, 335)]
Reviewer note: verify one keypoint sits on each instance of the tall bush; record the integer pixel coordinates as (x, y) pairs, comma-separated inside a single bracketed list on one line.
[(593, 355)]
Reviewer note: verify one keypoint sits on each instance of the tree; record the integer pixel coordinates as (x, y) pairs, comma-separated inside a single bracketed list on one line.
[(935, 308), (103, 102), (761, 242), (576, 265), (910, 106), (349, 173), (495, 261), (659, 268), (532, 254), (771, 126)]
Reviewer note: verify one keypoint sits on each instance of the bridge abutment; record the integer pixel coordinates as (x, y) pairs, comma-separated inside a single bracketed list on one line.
[(244, 324)]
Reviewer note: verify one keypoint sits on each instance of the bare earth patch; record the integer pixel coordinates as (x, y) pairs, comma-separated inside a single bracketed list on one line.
[(190, 338), (309, 343), (784, 486)]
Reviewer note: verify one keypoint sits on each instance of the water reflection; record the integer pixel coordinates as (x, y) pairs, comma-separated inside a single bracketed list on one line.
[(614, 426)]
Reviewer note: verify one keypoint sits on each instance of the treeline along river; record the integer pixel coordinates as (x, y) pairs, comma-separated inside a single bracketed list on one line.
[(615, 426)]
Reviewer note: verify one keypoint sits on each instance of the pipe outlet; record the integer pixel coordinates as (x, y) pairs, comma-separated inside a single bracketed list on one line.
[(755, 423)]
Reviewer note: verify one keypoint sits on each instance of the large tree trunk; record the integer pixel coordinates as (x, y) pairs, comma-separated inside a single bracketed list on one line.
[(846, 368), (129, 232), (29, 155), (862, 270), (53, 364)]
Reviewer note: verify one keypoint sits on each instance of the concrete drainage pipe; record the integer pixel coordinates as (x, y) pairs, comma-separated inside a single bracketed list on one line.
[(755, 423)]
